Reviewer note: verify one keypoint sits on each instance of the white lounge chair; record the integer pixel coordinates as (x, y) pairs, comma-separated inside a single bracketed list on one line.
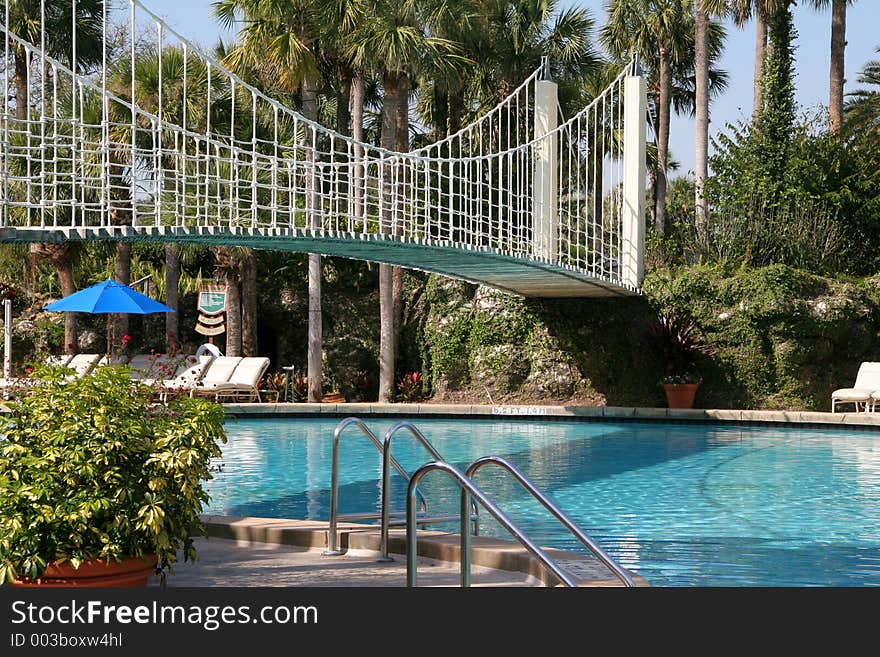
[(218, 373), (154, 367), (242, 385), (60, 360), (188, 375), (867, 384), (82, 364), (116, 359)]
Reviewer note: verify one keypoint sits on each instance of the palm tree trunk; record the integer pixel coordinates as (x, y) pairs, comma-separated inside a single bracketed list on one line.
[(316, 332), (249, 303), (172, 296), (440, 116), (358, 94), (838, 58), (402, 127), (456, 110), (701, 166), (64, 269), (760, 56), (118, 322), (233, 316), (663, 139), (343, 102), (386, 285), (21, 83), (59, 255)]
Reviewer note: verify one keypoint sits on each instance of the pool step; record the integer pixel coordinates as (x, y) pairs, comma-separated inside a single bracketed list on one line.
[(398, 518), (485, 551)]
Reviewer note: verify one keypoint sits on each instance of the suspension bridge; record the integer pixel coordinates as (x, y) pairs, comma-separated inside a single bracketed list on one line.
[(522, 199)]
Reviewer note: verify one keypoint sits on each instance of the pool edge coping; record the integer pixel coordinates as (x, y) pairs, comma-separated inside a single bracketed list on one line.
[(541, 412)]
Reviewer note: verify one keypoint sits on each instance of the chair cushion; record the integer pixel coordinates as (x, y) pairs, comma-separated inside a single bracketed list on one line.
[(852, 394)]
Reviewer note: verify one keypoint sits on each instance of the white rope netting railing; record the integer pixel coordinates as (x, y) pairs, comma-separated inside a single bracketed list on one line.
[(155, 132)]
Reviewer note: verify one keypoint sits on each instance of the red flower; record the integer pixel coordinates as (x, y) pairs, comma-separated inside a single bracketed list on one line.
[(415, 377), (126, 339), (28, 370)]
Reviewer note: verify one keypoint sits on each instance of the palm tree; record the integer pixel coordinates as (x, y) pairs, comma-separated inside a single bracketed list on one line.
[(393, 40), (513, 36), (26, 17), (648, 26), (285, 35), (863, 109), (702, 11), (838, 57), (227, 267), (61, 255), (742, 11), (172, 295), (662, 33), (25, 21)]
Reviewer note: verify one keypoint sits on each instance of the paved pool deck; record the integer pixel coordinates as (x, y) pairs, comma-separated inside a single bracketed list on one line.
[(228, 562)]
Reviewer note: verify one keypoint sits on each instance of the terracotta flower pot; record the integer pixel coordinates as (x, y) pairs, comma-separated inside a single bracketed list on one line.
[(680, 395), (127, 573)]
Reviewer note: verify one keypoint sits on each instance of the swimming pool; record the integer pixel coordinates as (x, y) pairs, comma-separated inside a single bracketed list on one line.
[(682, 505)]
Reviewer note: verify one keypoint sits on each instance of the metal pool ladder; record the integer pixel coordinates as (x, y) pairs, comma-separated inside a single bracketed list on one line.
[(416, 506), (469, 490), (388, 462)]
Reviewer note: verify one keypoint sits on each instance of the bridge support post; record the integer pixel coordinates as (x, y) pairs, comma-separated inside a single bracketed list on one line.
[(545, 221), (632, 256)]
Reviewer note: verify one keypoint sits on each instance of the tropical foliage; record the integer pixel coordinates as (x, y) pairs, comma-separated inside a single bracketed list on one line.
[(91, 468)]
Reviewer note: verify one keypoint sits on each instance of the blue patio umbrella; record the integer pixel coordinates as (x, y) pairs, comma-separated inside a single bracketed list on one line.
[(108, 297)]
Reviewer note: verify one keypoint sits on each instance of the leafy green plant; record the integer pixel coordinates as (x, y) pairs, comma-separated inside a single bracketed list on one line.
[(409, 388), (90, 468), (358, 388), (676, 341), (273, 381), (299, 387)]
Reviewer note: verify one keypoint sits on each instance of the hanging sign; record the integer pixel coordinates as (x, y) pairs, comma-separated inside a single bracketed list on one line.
[(212, 300), (210, 330), (212, 310)]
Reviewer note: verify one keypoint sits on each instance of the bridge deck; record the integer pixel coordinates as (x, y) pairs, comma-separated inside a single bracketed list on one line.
[(522, 276)]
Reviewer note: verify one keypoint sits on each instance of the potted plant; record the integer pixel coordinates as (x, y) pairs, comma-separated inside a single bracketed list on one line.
[(680, 348), (99, 485)]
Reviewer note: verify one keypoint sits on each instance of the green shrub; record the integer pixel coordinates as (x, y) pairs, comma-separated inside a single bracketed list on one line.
[(93, 468)]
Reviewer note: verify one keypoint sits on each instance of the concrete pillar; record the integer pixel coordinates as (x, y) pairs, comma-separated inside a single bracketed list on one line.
[(632, 254), (545, 221)]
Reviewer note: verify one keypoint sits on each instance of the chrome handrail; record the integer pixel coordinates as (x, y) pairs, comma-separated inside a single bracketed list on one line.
[(551, 506), (386, 479), (473, 490), (332, 546)]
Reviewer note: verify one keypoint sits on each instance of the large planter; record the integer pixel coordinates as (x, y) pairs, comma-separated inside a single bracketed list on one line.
[(680, 395), (127, 573)]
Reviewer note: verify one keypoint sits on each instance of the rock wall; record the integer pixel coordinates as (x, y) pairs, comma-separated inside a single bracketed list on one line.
[(784, 339)]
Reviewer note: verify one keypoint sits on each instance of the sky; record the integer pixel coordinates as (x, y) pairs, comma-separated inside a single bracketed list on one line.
[(193, 19)]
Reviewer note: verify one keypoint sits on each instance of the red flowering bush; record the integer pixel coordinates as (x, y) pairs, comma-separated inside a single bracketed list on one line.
[(409, 388)]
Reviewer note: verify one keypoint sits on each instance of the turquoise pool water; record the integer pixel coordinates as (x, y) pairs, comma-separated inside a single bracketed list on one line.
[(682, 505)]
